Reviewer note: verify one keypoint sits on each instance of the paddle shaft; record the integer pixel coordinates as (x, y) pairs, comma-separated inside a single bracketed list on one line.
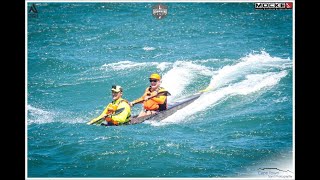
[(160, 93)]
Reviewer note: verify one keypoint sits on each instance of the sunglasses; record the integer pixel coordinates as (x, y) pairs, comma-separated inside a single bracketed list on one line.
[(153, 80)]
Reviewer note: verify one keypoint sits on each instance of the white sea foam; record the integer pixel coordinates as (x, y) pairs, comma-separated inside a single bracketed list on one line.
[(182, 74), (248, 76), (124, 65), (252, 63), (38, 116), (130, 65), (148, 48), (163, 65), (251, 84)]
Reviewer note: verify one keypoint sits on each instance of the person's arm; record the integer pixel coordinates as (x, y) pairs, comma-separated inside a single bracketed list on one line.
[(141, 99), (121, 113), (161, 98), (103, 114)]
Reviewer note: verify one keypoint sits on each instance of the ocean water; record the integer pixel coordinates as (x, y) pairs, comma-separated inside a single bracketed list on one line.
[(241, 128)]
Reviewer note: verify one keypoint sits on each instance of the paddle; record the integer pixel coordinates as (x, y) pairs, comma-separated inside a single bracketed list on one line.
[(96, 121), (206, 89), (100, 118), (166, 93)]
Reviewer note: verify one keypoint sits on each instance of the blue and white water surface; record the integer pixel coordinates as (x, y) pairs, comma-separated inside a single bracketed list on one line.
[(77, 51)]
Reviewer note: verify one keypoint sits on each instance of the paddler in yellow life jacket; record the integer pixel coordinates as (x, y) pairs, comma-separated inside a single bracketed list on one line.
[(154, 98), (118, 111)]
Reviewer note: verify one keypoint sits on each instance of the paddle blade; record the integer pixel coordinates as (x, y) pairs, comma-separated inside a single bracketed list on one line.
[(166, 93), (206, 90), (95, 121)]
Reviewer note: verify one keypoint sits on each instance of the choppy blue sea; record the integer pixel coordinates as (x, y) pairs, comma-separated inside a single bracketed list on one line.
[(243, 127)]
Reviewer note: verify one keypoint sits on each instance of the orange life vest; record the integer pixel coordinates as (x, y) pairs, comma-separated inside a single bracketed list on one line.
[(152, 105)]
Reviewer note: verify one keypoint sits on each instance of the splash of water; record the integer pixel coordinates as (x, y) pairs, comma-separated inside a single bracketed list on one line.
[(251, 74)]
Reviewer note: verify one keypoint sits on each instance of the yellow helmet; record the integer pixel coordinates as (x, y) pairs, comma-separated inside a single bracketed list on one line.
[(155, 76)]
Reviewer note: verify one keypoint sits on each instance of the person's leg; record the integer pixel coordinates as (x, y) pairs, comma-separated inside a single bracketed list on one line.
[(142, 113), (153, 112), (145, 113)]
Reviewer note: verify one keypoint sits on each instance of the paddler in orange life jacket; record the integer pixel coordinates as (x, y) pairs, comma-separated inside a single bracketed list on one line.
[(154, 98), (118, 111)]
